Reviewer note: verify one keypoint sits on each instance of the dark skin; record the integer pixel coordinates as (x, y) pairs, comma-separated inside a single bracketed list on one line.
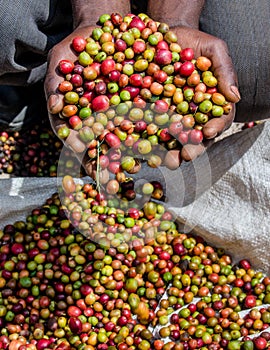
[(184, 21)]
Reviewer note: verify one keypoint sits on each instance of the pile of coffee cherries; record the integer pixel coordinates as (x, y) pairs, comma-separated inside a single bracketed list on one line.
[(7, 148), (80, 274), (133, 93), (34, 153)]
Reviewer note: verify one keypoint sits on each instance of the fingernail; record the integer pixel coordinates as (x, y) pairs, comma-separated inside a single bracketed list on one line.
[(236, 92)]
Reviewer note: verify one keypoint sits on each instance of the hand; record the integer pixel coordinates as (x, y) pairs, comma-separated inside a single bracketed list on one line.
[(217, 51), (55, 101)]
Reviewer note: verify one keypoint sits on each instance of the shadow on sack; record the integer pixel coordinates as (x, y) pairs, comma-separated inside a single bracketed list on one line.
[(186, 184)]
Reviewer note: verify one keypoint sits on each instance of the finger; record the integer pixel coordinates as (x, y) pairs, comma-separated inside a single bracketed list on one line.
[(102, 175), (190, 152), (223, 69), (172, 159), (90, 166), (213, 128), (74, 142), (216, 126), (55, 103)]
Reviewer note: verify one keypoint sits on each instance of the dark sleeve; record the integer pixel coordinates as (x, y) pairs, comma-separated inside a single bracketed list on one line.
[(245, 26), (28, 30)]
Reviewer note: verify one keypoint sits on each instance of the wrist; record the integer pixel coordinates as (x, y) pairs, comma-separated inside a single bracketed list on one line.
[(175, 13), (87, 13)]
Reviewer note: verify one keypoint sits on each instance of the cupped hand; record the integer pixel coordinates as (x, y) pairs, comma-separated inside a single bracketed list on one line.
[(203, 45), (217, 51), (55, 101)]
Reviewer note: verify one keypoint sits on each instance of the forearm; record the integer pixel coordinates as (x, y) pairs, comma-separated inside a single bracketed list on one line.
[(86, 13), (176, 12)]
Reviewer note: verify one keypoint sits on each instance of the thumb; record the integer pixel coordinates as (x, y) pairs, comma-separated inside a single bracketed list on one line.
[(224, 71)]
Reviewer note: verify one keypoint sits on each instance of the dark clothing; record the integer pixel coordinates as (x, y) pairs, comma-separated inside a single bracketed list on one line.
[(28, 30), (245, 26)]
